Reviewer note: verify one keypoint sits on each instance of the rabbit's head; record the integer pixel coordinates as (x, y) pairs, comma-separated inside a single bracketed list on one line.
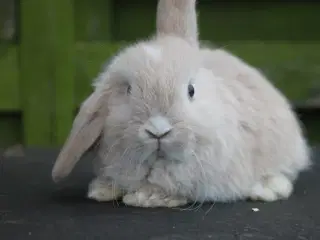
[(148, 98)]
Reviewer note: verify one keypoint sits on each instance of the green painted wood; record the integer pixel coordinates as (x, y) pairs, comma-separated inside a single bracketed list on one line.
[(90, 59), (43, 52), (9, 78), (225, 21), (310, 123), (7, 20), (293, 68), (10, 129), (133, 20), (240, 21), (64, 70), (93, 20)]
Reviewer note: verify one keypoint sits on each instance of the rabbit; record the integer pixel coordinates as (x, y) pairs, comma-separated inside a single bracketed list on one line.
[(176, 122)]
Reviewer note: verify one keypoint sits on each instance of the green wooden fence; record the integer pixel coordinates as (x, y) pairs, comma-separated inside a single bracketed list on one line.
[(59, 46)]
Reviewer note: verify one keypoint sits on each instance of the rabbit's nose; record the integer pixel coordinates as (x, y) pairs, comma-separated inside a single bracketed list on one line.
[(157, 135), (158, 127)]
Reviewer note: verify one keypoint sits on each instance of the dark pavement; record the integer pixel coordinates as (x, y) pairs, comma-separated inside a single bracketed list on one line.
[(33, 207)]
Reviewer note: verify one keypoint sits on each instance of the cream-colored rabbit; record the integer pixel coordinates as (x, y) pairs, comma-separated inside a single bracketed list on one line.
[(178, 123)]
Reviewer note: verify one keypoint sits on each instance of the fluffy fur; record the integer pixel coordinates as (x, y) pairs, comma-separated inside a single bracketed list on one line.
[(236, 138)]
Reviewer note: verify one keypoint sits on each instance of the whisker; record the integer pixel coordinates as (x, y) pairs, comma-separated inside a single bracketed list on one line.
[(212, 205), (114, 199)]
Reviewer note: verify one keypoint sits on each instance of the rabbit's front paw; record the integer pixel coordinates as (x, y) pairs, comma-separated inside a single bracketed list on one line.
[(103, 191), (272, 188), (152, 196)]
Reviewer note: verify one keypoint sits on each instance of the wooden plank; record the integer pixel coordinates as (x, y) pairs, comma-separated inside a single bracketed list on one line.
[(9, 78), (274, 21), (292, 67), (10, 129), (90, 59), (36, 71), (222, 21), (134, 20), (45, 59), (93, 20), (7, 20), (63, 33)]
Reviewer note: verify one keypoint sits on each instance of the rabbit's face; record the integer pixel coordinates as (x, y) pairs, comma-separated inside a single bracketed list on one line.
[(154, 96), (146, 101)]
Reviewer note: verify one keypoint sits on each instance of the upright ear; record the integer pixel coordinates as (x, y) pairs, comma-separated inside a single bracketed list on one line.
[(178, 17), (87, 127)]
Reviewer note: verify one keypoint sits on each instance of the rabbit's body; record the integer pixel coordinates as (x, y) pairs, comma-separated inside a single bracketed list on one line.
[(181, 123), (244, 133)]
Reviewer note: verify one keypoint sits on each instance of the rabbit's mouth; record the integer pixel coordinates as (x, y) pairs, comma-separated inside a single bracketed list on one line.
[(164, 152), (160, 153)]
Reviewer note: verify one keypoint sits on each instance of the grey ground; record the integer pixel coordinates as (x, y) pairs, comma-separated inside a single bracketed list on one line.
[(33, 207)]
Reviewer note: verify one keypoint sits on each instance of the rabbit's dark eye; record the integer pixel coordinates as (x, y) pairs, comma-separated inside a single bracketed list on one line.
[(128, 89), (191, 90)]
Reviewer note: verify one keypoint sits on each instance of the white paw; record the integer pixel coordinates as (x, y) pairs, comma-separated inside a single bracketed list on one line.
[(272, 189), (151, 198), (103, 191)]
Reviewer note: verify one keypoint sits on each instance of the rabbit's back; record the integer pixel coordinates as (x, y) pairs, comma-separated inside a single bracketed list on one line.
[(266, 120)]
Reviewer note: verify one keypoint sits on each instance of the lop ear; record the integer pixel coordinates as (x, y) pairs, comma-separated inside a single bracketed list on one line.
[(178, 17), (87, 127)]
